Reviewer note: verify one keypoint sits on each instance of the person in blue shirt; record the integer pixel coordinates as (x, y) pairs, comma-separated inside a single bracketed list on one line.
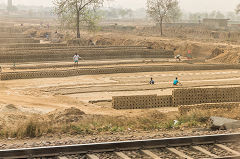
[(176, 82), (151, 81)]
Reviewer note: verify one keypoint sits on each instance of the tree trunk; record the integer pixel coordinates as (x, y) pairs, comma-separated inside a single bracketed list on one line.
[(78, 25), (161, 27)]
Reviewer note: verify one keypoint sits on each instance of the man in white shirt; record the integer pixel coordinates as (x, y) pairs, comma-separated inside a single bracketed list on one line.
[(76, 58), (178, 58)]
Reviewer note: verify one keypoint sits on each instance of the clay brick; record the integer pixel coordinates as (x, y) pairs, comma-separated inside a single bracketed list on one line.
[(141, 102), (205, 95), (197, 107), (87, 53)]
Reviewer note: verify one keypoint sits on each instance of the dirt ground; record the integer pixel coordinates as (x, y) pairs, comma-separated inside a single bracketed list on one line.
[(42, 96), (21, 99), (91, 94)]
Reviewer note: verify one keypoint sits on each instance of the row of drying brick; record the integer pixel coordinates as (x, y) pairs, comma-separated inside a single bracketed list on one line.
[(83, 51), (13, 35), (53, 46), (93, 64), (11, 29), (106, 70), (154, 101), (85, 54), (69, 58), (74, 72), (18, 40), (141, 102), (208, 106), (205, 95), (69, 48), (30, 45)]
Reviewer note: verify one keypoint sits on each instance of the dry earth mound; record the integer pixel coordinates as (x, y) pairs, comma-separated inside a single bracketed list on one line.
[(216, 52), (9, 108), (68, 115), (231, 56)]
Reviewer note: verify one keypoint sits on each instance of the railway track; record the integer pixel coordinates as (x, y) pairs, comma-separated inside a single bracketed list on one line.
[(211, 146)]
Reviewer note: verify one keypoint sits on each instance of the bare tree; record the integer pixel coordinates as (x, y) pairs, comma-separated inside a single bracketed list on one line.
[(76, 11), (238, 9), (163, 10)]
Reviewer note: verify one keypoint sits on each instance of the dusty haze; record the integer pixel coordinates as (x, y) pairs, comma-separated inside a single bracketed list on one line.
[(186, 5)]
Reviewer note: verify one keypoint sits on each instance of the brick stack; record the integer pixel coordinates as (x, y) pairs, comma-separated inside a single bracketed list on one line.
[(18, 40), (181, 96), (141, 102), (208, 106), (187, 99), (205, 95), (88, 53)]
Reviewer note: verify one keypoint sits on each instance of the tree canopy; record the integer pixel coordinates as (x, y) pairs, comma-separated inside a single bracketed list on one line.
[(163, 11), (76, 12)]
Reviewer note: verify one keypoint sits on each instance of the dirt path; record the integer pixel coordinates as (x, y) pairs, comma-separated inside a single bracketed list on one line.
[(59, 93)]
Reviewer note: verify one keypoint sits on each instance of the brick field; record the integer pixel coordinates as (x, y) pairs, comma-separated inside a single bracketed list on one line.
[(110, 79)]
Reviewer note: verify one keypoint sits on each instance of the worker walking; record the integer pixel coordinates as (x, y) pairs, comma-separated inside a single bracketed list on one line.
[(76, 58)]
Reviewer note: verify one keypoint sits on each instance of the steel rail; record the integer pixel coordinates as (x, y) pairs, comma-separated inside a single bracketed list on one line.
[(117, 146), (229, 157)]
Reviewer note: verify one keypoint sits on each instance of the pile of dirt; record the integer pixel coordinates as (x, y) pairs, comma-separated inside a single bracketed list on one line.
[(32, 32), (9, 108), (42, 33), (68, 115), (114, 40), (80, 42), (14, 118), (216, 52), (129, 42), (230, 56), (12, 115), (100, 40), (198, 50)]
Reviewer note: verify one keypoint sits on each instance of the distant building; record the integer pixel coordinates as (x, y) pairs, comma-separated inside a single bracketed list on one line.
[(216, 23)]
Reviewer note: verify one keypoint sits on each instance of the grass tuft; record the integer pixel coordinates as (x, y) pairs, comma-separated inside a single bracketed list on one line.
[(93, 124)]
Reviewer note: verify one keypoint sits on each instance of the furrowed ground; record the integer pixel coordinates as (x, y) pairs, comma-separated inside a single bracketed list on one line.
[(43, 94)]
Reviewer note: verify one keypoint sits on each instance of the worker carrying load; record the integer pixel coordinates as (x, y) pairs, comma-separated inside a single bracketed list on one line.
[(178, 58)]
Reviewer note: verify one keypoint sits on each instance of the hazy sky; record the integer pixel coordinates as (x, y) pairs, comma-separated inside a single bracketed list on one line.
[(187, 5)]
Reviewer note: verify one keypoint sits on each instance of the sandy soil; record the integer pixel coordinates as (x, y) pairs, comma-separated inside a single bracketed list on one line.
[(22, 98), (45, 95)]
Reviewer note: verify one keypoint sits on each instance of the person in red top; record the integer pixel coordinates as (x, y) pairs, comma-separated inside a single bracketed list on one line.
[(189, 55)]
